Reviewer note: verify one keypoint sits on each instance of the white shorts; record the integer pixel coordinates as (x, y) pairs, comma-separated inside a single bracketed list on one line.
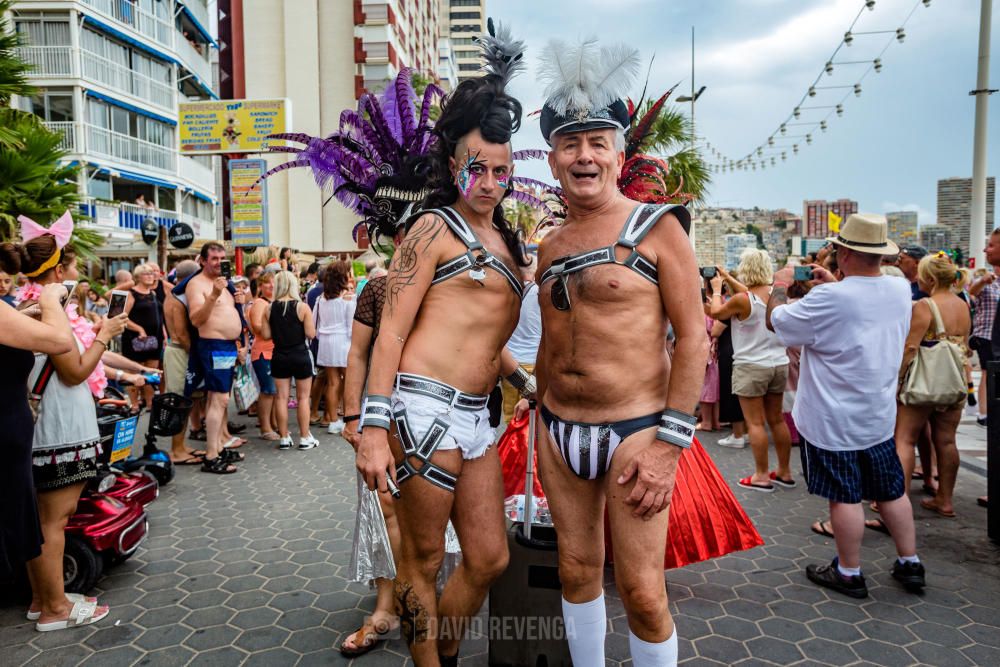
[(468, 430)]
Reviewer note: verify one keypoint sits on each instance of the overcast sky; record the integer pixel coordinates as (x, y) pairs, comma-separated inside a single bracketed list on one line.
[(912, 124)]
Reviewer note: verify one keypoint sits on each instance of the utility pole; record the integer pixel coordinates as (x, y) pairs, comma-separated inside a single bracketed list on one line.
[(977, 228), (695, 94)]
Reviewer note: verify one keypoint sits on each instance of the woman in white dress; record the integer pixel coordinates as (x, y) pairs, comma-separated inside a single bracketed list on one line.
[(334, 314)]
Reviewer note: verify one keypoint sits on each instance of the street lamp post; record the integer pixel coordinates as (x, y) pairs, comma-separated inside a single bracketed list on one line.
[(977, 223), (694, 95)]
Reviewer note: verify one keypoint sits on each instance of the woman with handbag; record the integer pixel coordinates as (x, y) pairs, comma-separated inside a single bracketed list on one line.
[(143, 338), (932, 376)]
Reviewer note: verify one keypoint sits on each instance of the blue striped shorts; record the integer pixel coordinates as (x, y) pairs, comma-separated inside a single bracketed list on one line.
[(850, 477)]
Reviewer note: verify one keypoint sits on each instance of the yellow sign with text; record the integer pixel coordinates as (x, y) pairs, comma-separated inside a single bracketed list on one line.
[(231, 126)]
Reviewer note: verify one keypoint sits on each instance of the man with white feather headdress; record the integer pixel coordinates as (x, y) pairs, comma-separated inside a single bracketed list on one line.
[(615, 417)]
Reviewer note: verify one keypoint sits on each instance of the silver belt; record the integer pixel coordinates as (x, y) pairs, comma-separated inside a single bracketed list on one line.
[(418, 384)]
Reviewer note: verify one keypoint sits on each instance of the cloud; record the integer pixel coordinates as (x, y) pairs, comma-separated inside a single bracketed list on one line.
[(924, 217)]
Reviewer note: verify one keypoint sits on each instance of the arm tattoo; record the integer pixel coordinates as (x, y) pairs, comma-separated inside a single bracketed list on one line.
[(779, 297), (403, 270)]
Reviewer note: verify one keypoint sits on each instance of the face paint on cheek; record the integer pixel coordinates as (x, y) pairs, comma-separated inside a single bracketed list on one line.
[(466, 181), (504, 181)]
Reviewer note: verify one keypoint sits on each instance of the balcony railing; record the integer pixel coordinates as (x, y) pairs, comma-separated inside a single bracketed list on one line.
[(48, 62), (131, 15), (69, 131), (199, 9), (194, 61), (122, 147), (51, 62), (125, 80), (105, 214)]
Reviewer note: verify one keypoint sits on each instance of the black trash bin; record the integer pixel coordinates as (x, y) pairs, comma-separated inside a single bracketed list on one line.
[(526, 626)]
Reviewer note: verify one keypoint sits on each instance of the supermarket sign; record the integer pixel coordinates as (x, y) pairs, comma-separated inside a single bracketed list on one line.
[(231, 126)]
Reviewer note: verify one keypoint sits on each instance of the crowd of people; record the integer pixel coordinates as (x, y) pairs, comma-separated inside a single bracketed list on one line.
[(859, 355)]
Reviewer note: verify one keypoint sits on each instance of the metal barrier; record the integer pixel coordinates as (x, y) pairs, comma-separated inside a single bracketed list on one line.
[(993, 451)]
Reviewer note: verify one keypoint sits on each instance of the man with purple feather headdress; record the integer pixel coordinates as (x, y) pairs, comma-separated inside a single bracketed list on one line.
[(453, 299)]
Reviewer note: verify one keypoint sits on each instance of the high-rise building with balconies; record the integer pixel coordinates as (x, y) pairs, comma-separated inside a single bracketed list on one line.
[(467, 20), (816, 215), (954, 209), (110, 75), (323, 55), (902, 227)]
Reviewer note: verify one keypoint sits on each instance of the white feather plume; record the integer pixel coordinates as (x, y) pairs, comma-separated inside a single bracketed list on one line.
[(585, 76)]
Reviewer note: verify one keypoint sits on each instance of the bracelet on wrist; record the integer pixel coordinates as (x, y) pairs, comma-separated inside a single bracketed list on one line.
[(676, 428), (98, 340), (377, 412), (523, 381), (351, 418)]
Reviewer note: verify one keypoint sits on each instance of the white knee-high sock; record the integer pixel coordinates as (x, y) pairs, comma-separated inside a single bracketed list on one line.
[(586, 625), (644, 654)]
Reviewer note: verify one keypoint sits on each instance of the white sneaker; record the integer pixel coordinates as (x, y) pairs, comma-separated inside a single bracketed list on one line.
[(733, 442), (308, 442), (285, 443), (336, 427)]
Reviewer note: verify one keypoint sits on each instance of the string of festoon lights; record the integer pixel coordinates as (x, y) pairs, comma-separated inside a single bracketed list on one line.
[(796, 129)]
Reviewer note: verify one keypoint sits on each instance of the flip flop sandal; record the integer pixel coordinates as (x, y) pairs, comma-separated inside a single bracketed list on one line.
[(218, 466), (787, 483), (820, 527), (917, 475), (72, 597), (199, 435), (928, 504), (763, 488), (83, 613), (270, 435), (190, 461), (878, 525), (235, 442)]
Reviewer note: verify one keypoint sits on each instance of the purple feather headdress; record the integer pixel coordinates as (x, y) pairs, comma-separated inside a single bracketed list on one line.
[(375, 162)]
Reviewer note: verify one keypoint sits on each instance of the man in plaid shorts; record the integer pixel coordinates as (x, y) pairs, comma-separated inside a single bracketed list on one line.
[(852, 334)]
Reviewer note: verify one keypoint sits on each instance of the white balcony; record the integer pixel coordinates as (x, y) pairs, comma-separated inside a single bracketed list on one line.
[(199, 9), (86, 139), (64, 62), (159, 30), (194, 61), (48, 62), (71, 141), (128, 149), (197, 173), (125, 80)]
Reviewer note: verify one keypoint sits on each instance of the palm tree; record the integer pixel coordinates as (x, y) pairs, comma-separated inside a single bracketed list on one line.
[(13, 72), (670, 138)]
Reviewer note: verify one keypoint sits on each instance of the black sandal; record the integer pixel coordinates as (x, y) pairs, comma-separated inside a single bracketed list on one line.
[(198, 435), (218, 466), (232, 456)]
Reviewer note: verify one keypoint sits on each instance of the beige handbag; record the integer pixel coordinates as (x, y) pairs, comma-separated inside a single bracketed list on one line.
[(936, 376)]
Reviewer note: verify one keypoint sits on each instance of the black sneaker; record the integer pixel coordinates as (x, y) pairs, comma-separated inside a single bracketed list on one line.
[(830, 577), (911, 575), (981, 421)]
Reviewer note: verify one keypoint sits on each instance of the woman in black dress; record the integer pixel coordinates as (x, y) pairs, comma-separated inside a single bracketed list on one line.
[(143, 337), (20, 336)]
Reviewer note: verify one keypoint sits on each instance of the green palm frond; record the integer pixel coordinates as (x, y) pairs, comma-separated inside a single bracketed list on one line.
[(670, 138), (13, 70)]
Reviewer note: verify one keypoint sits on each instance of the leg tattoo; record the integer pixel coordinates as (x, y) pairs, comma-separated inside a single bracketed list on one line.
[(414, 620)]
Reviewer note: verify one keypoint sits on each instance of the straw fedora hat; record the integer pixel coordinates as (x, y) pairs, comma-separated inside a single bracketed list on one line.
[(866, 232)]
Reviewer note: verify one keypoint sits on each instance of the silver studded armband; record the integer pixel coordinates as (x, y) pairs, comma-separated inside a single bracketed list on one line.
[(378, 412), (676, 428), (523, 381)]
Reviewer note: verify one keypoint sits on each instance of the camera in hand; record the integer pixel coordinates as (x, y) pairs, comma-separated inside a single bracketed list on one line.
[(708, 272), (803, 273), (227, 269)]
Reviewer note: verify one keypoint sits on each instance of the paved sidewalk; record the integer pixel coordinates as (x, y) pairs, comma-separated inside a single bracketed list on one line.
[(249, 569)]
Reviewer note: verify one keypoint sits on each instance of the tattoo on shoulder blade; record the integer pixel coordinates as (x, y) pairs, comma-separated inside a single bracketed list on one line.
[(403, 270), (414, 620)]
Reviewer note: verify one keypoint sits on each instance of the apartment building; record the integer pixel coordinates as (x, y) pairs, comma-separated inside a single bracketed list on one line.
[(954, 209), (467, 20), (110, 74)]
